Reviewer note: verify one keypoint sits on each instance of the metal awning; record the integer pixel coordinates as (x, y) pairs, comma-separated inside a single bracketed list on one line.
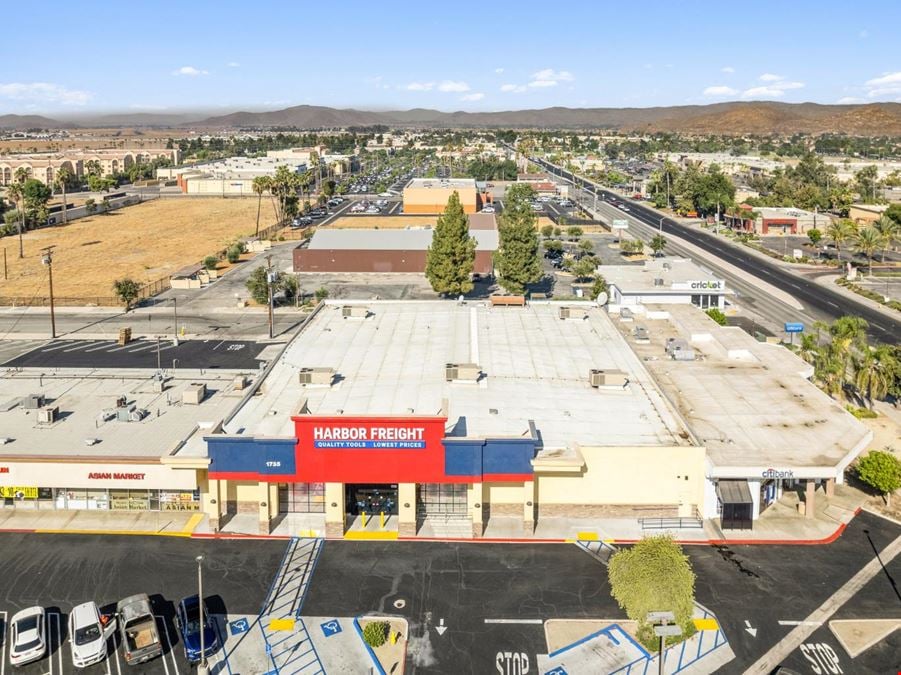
[(734, 492)]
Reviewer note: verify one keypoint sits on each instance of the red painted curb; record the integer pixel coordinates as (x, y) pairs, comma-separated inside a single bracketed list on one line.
[(239, 536), (18, 531)]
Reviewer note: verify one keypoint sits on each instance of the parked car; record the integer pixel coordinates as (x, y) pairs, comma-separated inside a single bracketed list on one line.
[(27, 636), (537, 207), (188, 621), (137, 629), (487, 209), (88, 633)]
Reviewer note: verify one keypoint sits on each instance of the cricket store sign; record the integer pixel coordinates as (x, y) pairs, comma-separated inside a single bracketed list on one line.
[(369, 437), (705, 285)]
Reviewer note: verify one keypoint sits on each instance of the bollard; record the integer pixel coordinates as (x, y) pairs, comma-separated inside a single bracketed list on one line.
[(381, 520), (394, 637), (363, 515)]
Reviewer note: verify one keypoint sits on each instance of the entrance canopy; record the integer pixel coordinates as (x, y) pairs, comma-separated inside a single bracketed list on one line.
[(734, 492)]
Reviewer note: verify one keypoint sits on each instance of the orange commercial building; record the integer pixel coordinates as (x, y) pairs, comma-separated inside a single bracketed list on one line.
[(430, 195)]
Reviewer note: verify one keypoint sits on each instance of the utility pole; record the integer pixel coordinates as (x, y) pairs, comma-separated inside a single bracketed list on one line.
[(175, 313), (202, 666), (270, 277), (47, 259)]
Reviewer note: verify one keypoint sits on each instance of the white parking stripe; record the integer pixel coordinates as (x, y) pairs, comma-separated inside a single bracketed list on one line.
[(59, 644), (95, 348), (170, 645), (61, 345), (141, 348)]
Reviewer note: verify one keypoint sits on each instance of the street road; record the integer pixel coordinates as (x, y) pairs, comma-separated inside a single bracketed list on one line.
[(815, 297)]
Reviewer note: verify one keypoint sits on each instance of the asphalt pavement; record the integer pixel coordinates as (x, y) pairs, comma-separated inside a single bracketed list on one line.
[(881, 326), (469, 605), (193, 354), (59, 572)]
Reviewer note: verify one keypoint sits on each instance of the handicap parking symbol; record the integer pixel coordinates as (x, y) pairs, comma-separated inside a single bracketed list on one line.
[(238, 626), (330, 628), (559, 670)]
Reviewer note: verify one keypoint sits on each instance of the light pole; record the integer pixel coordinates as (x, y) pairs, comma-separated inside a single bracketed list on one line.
[(270, 277), (175, 318), (47, 259), (202, 666), (661, 224)]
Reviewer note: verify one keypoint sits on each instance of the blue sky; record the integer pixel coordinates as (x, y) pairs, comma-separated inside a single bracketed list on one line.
[(80, 57)]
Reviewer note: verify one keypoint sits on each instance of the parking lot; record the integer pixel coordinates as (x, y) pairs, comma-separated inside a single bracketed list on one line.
[(142, 353), (467, 604), (58, 572)]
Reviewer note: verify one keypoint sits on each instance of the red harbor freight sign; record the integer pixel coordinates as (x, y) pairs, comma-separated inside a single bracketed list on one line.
[(370, 449)]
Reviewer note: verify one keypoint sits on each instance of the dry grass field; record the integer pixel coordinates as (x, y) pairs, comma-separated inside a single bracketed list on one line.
[(144, 242)]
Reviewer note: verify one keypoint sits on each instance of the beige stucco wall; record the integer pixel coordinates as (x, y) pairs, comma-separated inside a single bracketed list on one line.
[(434, 199), (504, 493), (639, 475)]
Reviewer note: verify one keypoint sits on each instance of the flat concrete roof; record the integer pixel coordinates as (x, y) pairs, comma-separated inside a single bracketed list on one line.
[(748, 402), (535, 367), (678, 271), (82, 397), (443, 183), (418, 239)]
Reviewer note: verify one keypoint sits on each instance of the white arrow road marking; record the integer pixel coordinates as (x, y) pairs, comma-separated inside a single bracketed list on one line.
[(752, 631), (441, 627)]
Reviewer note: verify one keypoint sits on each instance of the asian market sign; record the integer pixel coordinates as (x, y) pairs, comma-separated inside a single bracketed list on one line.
[(379, 437)]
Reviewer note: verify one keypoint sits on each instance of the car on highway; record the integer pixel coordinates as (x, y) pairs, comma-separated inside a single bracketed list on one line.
[(27, 636), (190, 624), (88, 633)]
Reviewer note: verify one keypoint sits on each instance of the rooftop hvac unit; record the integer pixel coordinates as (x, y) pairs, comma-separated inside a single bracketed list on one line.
[(239, 382), (607, 378), (123, 412), (121, 402), (316, 375), (48, 415), (641, 335), (33, 401), (354, 311), (658, 281), (193, 394), (667, 266), (573, 312), (466, 372), (137, 414), (683, 354)]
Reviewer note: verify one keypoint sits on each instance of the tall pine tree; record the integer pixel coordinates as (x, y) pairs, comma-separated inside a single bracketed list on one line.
[(517, 260), (452, 255)]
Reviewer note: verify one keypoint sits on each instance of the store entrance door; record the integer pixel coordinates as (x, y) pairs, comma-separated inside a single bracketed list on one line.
[(371, 498)]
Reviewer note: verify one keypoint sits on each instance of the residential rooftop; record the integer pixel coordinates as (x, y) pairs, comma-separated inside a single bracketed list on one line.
[(87, 424), (535, 367), (748, 402), (413, 239)]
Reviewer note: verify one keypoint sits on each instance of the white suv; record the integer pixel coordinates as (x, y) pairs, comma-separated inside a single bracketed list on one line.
[(88, 634)]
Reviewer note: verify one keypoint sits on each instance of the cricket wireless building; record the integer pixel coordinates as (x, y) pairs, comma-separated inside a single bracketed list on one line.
[(439, 411), (444, 410)]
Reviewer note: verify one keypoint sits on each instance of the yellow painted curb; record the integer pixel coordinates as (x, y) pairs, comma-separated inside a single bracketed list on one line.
[(141, 533), (706, 624), (360, 535), (281, 624), (569, 541), (609, 541), (192, 523), (587, 536)]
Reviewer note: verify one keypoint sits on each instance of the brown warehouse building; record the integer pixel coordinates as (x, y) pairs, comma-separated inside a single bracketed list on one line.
[(383, 251)]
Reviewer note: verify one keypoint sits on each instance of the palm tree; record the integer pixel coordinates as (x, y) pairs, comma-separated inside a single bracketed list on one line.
[(868, 241), (809, 348), (840, 231), (889, 231), (63, 176), (849, 334), (15, 194), (260, 185), (875, 371)]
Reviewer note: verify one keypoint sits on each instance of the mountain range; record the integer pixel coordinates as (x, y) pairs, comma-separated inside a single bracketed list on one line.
[(752, 117)]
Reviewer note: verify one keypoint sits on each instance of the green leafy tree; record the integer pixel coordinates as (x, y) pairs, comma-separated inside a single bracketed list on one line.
[(574, 232), (657, 244), (547, 231), (553, 245), (881, 470), (558, 231), (451, 257), (717, 315), (127, 291), (654, 575), (586, 246), (210, 262), (894, 212), (814, 236), (584, 268), (90, 206), (517, 259), (599, 286), (376, 633), (321, 293), (875, 370), (258, 287), (36, 195)]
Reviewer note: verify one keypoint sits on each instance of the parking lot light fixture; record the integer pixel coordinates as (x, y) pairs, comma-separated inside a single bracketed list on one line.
[(202, 666)]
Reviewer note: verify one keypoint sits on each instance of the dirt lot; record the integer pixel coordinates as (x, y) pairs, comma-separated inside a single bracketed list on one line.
[(144, 242)]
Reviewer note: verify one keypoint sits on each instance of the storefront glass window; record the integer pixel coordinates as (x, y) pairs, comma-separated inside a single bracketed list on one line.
[(301, 497), (180, 500)]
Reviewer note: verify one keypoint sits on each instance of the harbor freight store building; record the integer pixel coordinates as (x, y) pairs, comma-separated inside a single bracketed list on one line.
[(440, 414), (108, 439)]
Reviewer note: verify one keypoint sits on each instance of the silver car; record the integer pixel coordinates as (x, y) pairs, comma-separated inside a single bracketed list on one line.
[(28, 636)]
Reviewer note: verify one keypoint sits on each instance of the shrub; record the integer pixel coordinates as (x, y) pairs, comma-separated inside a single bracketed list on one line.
[(127, 291), (881, 470), (210, 262), (376, 633), (717, 315), (321, 293), (862, 413), (233, 254)]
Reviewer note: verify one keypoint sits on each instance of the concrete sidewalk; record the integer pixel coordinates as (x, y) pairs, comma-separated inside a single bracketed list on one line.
[(163, 523)]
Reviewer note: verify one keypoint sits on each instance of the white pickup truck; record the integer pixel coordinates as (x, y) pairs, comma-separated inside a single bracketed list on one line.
[(140, 638)]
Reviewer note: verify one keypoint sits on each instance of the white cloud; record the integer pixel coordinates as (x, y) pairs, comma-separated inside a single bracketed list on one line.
[(476, 96), (847, 100), (189, 71), (43, 92), (769, 77), (543, 83), (888, 84), (719, 90), (551, 74), (233, 64), (420, 86), (451, 85), (727, 69), (514, 88), (776, 87), (498, 70)]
